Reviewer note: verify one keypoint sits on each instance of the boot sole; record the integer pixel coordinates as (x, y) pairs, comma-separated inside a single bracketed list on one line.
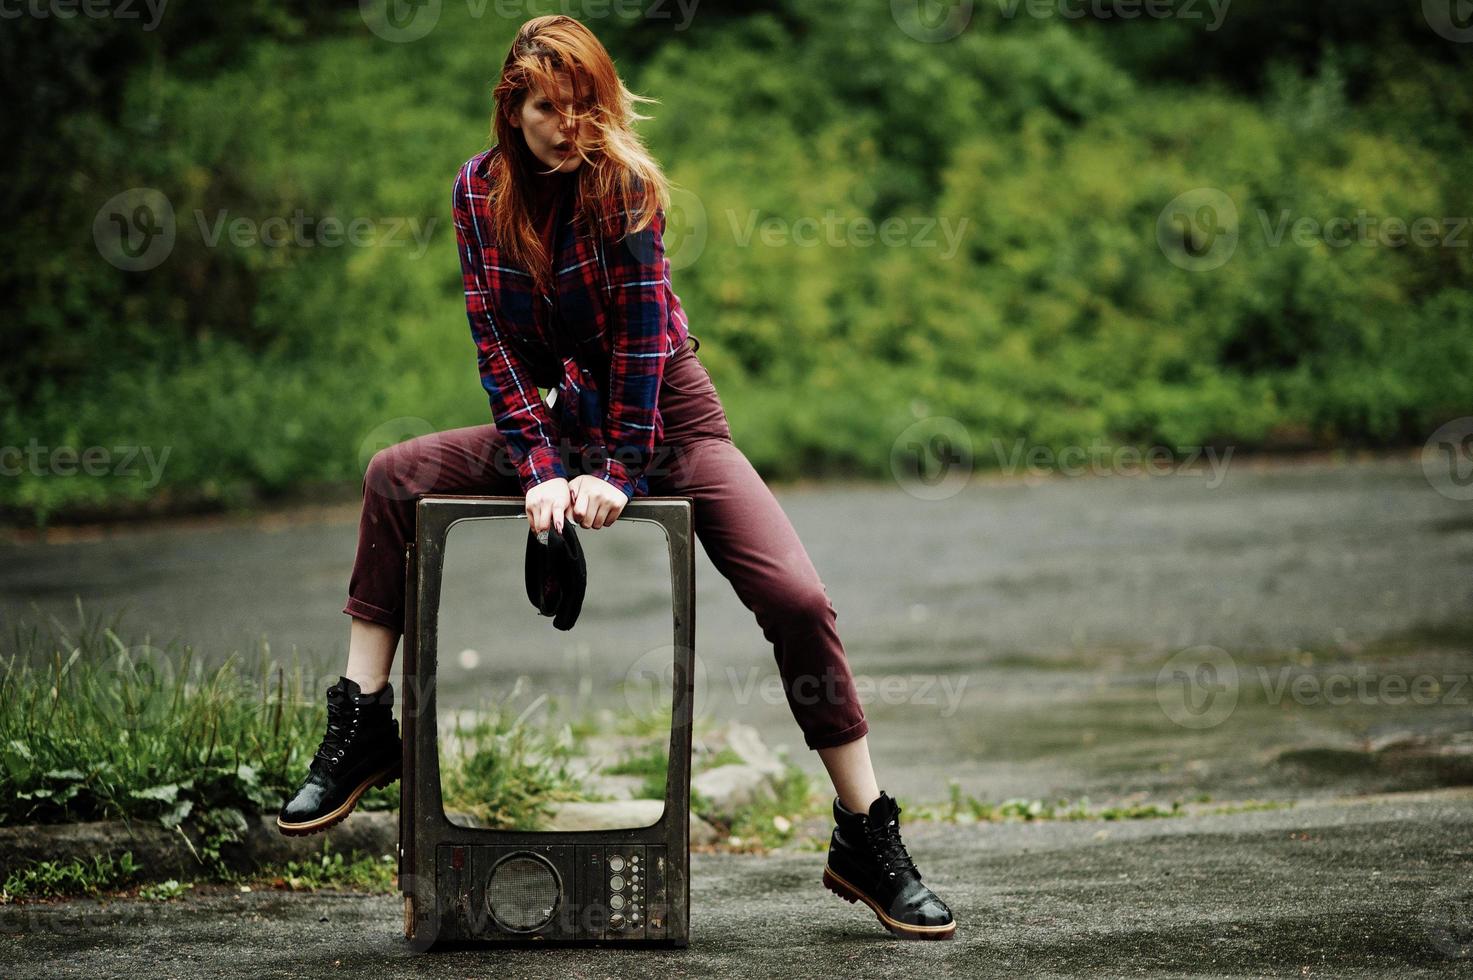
[(851, 894), (337, 816)]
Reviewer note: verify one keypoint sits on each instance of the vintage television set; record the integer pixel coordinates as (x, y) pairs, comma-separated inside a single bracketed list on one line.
[(467, 885)]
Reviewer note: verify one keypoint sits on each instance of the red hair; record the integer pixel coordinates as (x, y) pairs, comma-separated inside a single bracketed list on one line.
[(619, 184)]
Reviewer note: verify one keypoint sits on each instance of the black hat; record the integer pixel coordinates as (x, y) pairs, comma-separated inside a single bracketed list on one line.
[(556, 574)]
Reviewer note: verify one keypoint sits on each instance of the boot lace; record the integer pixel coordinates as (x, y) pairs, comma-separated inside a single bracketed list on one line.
[(342, 729), (888, 848)]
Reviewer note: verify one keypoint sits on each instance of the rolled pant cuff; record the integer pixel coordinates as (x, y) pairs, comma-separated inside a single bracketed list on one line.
[(850, 734), (359, 609)]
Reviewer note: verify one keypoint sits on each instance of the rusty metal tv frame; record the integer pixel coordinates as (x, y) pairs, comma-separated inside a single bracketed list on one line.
[(442, 865)]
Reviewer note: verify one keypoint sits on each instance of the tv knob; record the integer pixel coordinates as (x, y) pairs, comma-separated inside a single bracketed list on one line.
[(616, 863), (616, 921)]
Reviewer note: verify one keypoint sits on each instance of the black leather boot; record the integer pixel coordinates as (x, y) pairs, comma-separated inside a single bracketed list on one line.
[(868, 863), (361, 749)]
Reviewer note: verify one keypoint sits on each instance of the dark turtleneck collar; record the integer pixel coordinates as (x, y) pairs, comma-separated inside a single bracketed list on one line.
[(547, 186), (548, 200)]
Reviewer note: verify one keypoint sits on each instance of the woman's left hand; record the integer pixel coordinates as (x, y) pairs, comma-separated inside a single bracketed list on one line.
[(597, 503)]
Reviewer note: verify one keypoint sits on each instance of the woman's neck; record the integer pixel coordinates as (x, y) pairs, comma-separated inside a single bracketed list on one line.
[(546, 186)]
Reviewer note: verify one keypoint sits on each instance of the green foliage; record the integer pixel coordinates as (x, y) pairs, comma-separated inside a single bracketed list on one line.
[(332, 870), (164, 891), (95, 727), (46, 879), (652, 763), (652, 760), (1053, 316), (1252, 806), (964, 808), (772, 822), (507, 773)]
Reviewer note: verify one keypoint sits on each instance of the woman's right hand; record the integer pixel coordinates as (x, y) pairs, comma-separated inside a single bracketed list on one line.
[(548, 503)]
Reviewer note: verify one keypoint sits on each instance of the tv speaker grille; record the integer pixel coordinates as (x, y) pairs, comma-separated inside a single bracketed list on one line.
[(523, 892)]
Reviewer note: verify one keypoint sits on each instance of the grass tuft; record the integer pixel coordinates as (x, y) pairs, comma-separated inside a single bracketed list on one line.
[(506, 772), (76, 876), (333, 871), (96, 727), (965, 808)]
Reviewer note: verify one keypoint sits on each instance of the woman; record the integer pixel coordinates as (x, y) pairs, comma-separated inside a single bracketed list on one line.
[(567, 286)]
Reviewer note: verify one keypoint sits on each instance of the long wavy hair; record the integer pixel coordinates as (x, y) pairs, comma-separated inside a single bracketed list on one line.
[(619, 184)]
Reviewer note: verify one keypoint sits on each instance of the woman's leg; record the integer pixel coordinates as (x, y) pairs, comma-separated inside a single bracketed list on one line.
[(467, 460), (362, 746), (370, 654), (753, 545), (852, 773), (751, 542)]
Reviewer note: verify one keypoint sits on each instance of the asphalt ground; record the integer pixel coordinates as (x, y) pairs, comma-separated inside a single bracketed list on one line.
[(1366, 887)]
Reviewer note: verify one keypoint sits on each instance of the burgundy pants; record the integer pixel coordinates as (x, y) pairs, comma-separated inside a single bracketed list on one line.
[(737, 520)]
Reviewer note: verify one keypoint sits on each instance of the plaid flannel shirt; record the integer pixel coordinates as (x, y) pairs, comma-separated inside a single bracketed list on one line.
[(602, 339)]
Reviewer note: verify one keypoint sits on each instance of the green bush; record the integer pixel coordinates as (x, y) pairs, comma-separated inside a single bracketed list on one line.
[(1058, 319)]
